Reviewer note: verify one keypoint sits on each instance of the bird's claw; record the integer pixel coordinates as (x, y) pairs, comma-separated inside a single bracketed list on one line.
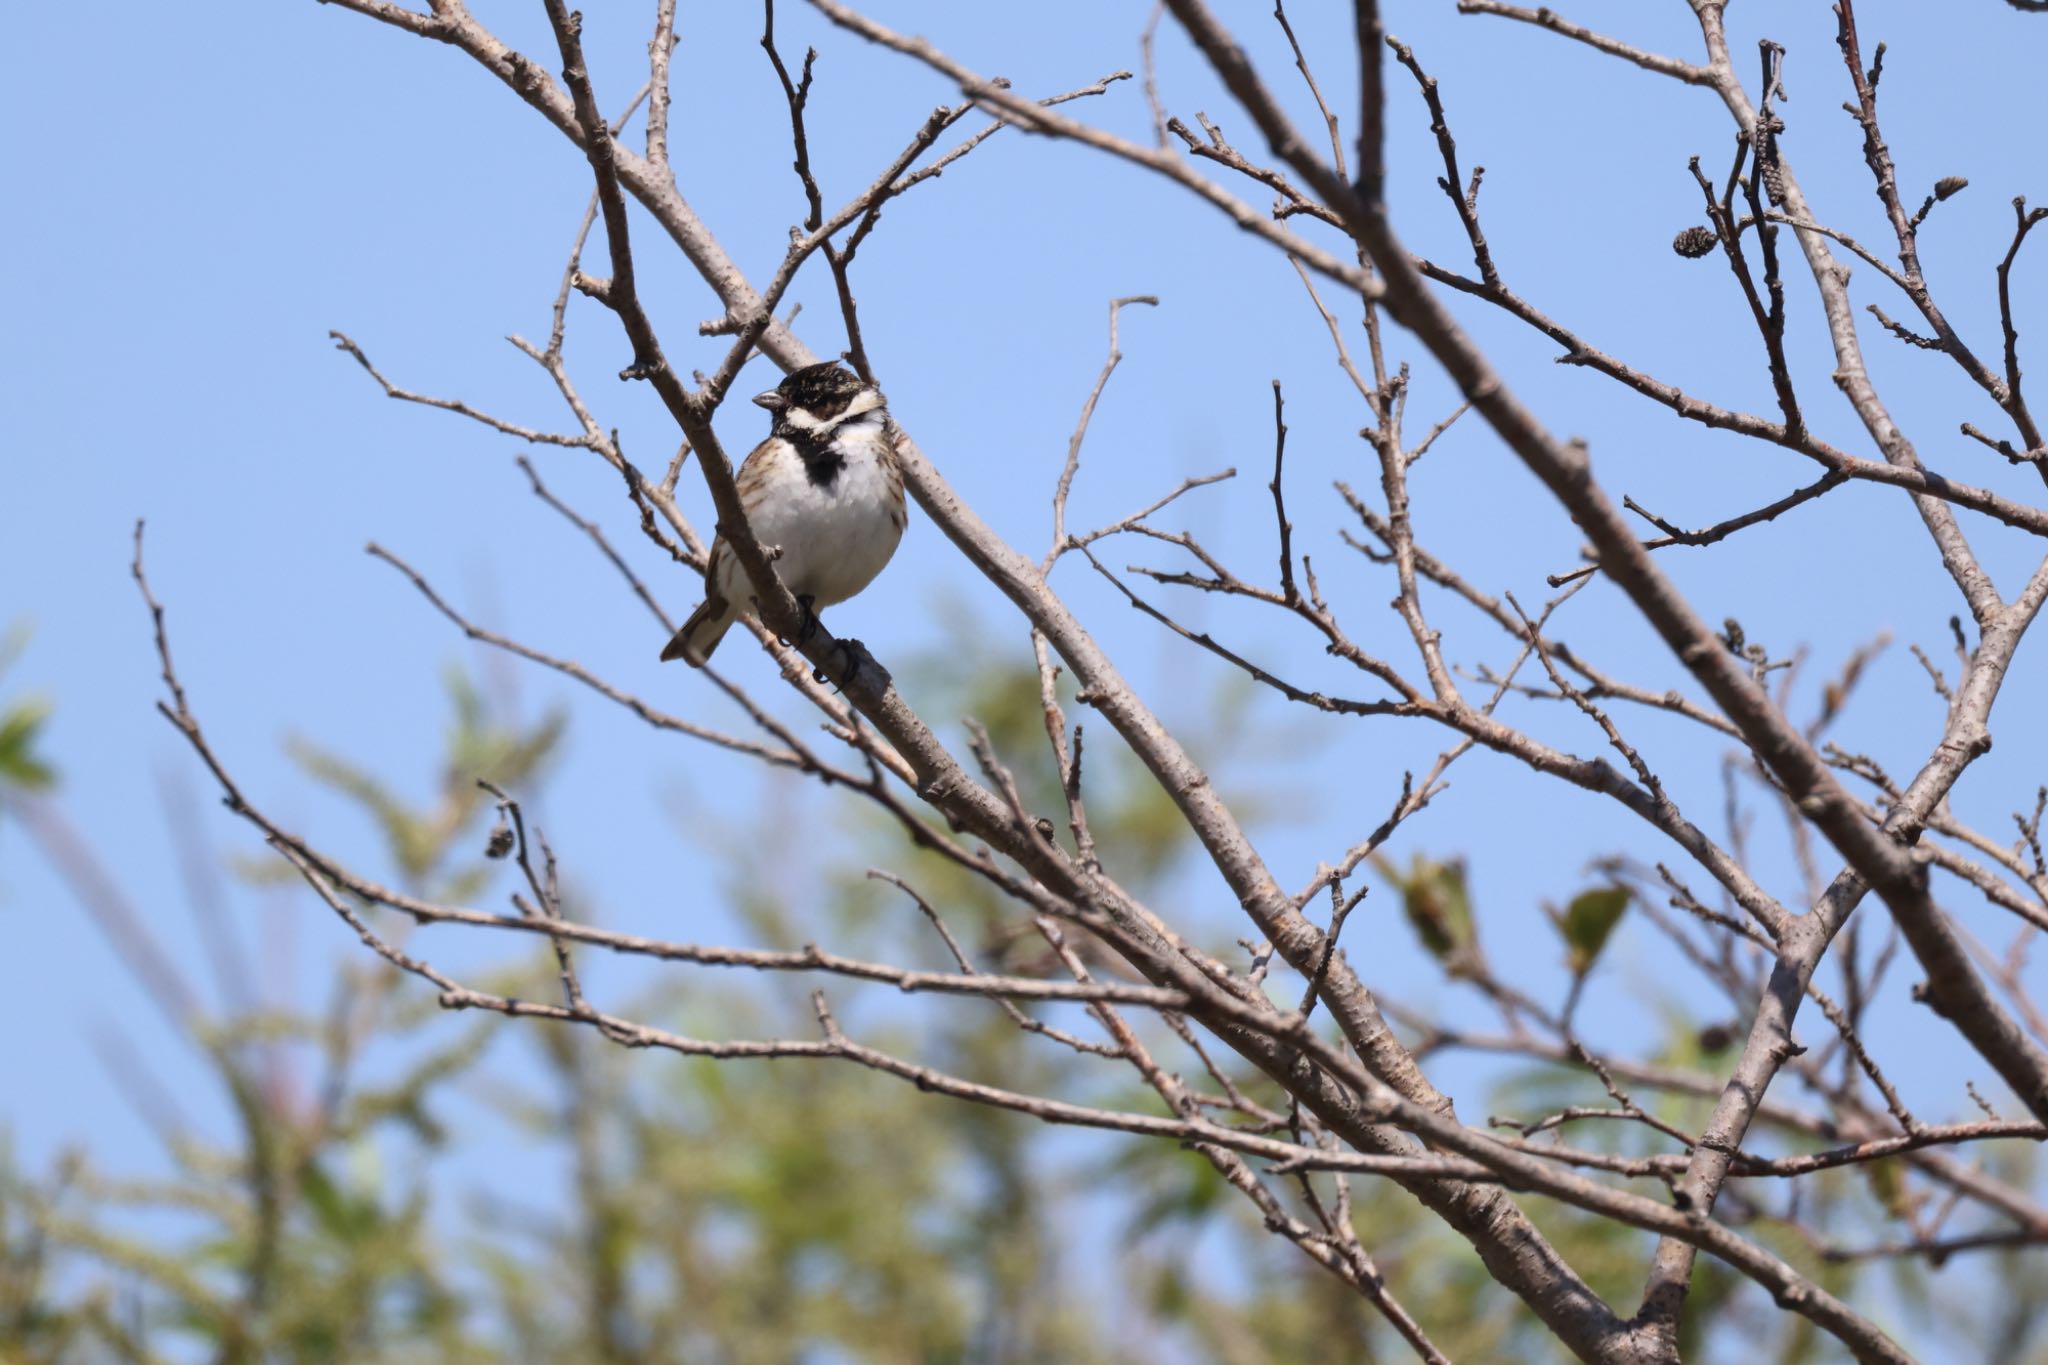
[(806, 623)]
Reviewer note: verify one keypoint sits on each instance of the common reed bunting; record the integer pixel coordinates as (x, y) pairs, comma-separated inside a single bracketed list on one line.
[(825, 489)]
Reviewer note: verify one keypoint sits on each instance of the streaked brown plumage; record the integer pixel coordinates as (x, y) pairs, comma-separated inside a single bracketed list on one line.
[(825, 489)]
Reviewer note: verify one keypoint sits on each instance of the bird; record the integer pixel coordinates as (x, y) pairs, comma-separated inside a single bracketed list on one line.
[(825, 490)]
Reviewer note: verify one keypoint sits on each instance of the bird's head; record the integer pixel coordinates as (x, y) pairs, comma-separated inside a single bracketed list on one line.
[(819, 398)]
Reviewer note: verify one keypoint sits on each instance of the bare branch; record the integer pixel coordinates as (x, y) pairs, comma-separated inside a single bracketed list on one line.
[(1073, 464), (1549, 19)]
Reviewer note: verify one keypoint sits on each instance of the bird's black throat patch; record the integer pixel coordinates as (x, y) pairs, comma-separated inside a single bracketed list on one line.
[(821, 393), (820, 453)]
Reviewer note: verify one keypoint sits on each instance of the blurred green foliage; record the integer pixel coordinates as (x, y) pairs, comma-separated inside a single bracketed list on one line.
[(1438, 904), (1587, 923), (23, 768)]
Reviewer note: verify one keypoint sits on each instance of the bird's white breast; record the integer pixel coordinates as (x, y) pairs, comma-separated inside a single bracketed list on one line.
[(834, 537)]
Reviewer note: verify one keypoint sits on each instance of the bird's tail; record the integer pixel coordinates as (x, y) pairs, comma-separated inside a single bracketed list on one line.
[(700, 634)]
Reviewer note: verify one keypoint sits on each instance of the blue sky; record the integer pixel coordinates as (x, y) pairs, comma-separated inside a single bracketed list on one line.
[(200, 200)]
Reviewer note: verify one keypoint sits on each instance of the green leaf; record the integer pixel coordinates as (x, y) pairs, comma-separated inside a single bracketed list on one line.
[(1438, 905), (1887, 1178), (346, 1217), (1587, 922), (20, 766)]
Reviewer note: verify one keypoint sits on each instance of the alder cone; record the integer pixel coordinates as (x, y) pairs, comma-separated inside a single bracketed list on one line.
[(1694, 242), (1774, 181)]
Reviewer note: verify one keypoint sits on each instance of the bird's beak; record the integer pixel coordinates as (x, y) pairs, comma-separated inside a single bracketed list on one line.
[(772, 400)]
